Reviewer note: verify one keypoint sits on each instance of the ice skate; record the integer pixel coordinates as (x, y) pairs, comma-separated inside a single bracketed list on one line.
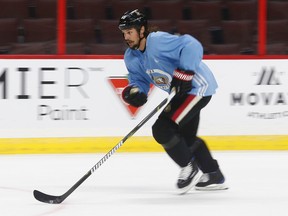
[(188, 177), (211, 181)]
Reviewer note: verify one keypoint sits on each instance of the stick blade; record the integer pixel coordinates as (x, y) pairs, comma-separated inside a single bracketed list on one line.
[(42, 197)]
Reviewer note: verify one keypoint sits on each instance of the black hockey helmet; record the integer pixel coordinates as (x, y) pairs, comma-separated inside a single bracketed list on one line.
[(132, 19)]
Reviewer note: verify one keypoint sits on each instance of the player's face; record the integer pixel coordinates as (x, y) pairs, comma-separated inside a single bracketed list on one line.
[(131, 37)]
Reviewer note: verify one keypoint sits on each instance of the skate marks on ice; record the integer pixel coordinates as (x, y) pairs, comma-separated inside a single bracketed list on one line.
[(141, 184)]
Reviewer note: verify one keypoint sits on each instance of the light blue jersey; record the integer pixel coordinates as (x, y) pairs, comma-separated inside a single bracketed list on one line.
[(163, 54)]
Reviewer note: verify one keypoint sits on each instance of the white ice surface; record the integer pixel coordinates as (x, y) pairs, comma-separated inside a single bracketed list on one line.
[(142, 184)]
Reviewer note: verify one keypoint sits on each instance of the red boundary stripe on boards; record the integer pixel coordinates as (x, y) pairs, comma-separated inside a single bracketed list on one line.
[(210, 57), (57, 56)]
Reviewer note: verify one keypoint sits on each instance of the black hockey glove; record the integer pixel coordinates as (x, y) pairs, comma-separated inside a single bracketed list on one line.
[(182, 81), (132, 96)]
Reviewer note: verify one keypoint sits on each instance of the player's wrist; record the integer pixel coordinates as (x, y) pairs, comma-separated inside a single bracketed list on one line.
[(184, 75)]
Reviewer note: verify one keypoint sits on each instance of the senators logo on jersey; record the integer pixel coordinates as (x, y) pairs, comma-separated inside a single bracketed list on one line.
[(161, 78)]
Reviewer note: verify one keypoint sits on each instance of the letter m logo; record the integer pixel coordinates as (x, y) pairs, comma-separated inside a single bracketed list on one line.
[(268, 77)]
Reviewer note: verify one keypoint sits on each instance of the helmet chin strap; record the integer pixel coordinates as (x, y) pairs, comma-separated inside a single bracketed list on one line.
[(140, 43)]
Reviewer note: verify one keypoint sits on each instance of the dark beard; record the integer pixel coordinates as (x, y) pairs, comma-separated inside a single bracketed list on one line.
[(135, 47)]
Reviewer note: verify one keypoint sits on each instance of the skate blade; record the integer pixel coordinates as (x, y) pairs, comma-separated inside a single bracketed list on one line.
[(212, 187)]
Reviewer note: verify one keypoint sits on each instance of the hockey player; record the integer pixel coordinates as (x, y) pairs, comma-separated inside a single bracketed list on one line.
[(172, 62)]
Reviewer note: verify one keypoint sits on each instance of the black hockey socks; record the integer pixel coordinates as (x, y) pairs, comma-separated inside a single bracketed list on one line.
[(179, 152), (204, 158)]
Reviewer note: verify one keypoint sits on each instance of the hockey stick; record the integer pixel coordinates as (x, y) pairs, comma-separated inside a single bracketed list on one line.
[(46, 198)]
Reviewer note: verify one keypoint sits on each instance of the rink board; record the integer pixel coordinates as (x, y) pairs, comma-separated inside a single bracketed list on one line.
[(134, 144), (75, 106)]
